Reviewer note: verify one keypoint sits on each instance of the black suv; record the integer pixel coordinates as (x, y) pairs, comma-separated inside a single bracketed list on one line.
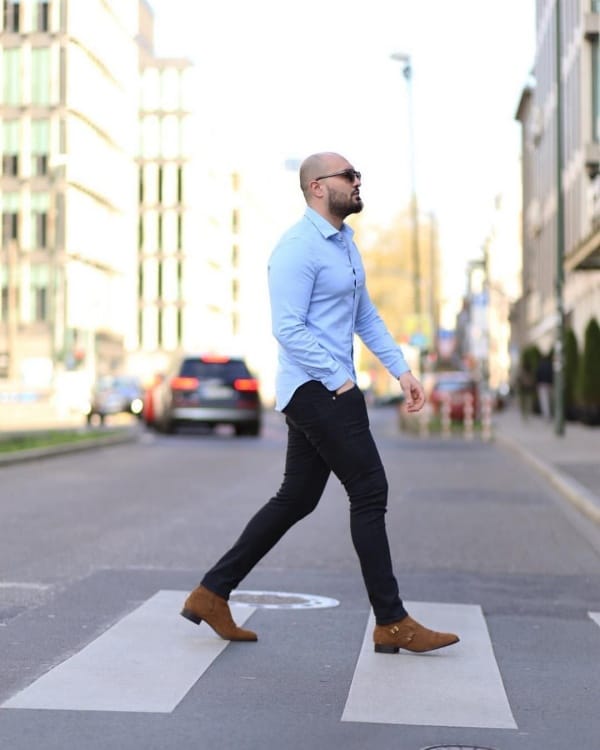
[(207, 390)]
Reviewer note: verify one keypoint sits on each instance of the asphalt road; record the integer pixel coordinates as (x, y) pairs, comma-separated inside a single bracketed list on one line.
[(98, 550)]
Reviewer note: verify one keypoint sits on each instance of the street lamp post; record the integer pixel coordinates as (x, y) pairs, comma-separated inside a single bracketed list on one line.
[(405, 60), (559, 411)]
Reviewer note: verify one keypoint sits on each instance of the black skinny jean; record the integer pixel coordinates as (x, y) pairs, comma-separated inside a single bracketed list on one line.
[(326, 433)]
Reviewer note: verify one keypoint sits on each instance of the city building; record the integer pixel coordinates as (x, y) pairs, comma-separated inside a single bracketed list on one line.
[(167, 243), (574, 170), (69, 125), (119, 241)]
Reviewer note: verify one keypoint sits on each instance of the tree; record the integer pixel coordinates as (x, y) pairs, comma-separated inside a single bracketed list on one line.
[(571, 370), (589, 375)]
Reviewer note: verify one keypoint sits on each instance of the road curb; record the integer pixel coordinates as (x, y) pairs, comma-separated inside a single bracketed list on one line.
[(585, 500), (35, 454)]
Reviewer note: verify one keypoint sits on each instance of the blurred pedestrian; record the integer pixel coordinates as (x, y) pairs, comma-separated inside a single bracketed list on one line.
[(318, 302), (526, 389), (544, 378)]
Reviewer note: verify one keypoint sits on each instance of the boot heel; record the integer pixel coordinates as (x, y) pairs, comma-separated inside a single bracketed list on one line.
[(189, 615), (379, 649)]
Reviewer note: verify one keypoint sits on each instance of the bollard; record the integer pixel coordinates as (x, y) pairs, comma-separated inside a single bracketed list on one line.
[(486, 417), (468, 416), (445, 413)]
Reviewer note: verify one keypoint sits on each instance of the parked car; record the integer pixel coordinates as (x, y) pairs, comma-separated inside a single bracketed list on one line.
[(114, 394), (454, 386), (148, 408), (207, 390)]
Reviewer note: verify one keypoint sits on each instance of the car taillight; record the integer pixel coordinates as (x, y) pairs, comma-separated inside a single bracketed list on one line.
[(214, 359), (245, 384), (184, 384)]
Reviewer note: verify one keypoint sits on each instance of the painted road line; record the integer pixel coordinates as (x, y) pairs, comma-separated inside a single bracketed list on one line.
[(146, 662), (595, 617), (459, 686)]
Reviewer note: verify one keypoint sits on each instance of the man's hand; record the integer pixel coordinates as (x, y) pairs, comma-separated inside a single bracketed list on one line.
[(413, 392), (345, 387)]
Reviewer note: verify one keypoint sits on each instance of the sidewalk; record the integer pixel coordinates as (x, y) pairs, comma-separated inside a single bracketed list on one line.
[(570, 462), (37, 415)]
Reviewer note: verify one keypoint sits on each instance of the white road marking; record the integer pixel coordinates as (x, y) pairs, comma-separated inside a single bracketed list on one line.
[(25, 585), (595, 617), (146, 662), (459, 686)]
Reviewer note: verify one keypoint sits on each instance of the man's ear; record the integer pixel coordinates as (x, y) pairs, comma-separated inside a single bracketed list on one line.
[(315, 188)]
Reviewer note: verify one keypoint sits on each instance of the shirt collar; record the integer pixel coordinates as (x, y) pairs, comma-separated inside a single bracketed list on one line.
[(324, 227)]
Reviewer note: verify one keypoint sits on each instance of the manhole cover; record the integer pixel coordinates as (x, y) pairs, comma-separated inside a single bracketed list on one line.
[(456, 747), (281, 600)]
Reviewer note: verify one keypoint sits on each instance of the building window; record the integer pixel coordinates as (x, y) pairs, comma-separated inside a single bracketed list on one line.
[(179, 232), (11, 15), (179, 184), (10, 165), (160, 281), (41, 21), (40, 205), (10, 148), (235, 220), (39, 292), (169, 137), (150, 137), (10, 217), (3, 296), (595, 91), (40, 147), (170, 95), (40, 76), (11, 86)]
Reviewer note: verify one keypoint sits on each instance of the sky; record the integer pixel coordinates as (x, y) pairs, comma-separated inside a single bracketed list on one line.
[(280, 79)]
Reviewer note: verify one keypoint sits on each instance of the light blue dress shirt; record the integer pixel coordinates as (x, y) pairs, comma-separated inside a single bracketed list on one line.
[(319, 301)]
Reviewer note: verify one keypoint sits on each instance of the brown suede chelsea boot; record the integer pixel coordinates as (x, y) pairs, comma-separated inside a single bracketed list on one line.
[(202, 604), (410, 635)]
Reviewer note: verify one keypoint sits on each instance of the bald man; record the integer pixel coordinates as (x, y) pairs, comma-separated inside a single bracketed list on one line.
[(319, 302)]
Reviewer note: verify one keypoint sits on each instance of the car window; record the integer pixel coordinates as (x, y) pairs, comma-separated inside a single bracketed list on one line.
[(228, 371), (121, 382)]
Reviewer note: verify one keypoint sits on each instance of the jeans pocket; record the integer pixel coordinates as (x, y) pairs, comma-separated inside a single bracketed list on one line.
[(348, 393)]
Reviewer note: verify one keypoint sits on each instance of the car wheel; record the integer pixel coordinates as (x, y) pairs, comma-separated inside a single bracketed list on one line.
[(252, 429)]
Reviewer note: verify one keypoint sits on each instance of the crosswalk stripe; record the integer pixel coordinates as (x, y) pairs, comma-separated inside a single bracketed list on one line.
[(146, 662), (459, 686), (595, 617)]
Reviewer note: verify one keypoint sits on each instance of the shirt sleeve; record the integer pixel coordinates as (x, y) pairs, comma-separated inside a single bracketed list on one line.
[(375, 335), (292, 275)]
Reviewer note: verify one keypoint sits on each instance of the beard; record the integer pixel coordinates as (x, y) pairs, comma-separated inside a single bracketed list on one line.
[(342, 205)]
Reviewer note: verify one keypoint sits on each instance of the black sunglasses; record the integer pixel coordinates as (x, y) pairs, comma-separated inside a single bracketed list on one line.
[(348, 174)]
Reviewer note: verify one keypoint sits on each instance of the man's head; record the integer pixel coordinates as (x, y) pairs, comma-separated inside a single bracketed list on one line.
[(331, 186)]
